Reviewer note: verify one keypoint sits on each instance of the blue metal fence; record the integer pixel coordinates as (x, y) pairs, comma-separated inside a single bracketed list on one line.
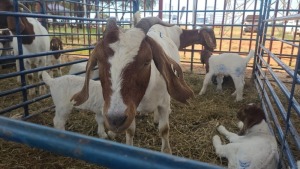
[(279, 104), (80, 30)]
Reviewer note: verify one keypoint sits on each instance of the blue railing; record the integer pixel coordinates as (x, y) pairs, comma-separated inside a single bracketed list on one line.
[(279, 103), (98, 151)]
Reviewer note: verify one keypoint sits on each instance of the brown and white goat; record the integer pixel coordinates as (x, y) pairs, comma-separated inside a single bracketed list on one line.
[(255, 147), (55, 45), (184, 38), (136, 74), (31, 44)]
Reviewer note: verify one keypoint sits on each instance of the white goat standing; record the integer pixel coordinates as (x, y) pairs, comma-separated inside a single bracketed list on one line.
[(63, 88), (228, 64), (254, 148)]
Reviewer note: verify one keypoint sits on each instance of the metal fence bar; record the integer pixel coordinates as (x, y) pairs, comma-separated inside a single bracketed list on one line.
[(265, 89), (265, 100), (282, 110), (283, 65), (281, 86), (99, 151)]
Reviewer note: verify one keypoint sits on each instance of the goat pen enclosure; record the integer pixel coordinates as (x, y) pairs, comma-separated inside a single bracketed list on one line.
[(268, 26)]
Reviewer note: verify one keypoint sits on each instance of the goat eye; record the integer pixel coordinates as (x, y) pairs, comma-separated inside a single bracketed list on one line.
[(146, 63)]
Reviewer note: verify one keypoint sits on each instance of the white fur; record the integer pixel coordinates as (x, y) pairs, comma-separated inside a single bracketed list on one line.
[(173, 33), (39, 44), (257, 149), (228, 64), (63, 88), (80, 67)]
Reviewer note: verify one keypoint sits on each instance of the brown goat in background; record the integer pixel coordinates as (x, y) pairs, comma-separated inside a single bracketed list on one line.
[(56, 44)]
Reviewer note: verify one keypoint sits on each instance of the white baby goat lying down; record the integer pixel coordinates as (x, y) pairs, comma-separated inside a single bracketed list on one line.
[(228, 64), (63, 88), (254, 147)]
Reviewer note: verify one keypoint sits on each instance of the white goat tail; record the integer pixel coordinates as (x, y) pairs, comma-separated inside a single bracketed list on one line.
[(47, 78), (250, 55)]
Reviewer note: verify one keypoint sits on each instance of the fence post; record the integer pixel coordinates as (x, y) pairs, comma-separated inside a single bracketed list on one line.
[(136, 5)]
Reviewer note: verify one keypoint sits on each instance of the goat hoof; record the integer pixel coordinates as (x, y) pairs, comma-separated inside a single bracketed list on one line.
[(239, 99), (103, 135), (221, 128), (216, 140), (167, 150), (240, 125), (111, 135)]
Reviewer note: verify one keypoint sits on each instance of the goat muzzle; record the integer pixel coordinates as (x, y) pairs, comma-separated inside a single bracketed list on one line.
[(119, 122)]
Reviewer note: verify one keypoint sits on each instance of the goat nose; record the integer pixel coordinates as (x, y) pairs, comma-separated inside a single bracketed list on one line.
[(117, 120)]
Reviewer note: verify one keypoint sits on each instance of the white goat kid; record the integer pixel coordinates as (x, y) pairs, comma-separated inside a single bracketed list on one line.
[(254, 148), (63, 88), (228, 64)]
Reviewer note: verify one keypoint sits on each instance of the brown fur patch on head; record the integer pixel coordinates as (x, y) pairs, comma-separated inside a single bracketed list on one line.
[(9, 22), (136, 75), (250, 115), (56, 44), (171, 72)]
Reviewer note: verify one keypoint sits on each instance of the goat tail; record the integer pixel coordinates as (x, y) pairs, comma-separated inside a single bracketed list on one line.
[(47, 78), (136, 17), (250, 55)]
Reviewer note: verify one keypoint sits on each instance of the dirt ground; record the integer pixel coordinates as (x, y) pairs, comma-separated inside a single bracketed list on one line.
[(192, 127)]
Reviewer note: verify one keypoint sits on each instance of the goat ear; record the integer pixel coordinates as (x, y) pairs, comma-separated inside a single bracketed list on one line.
[(11, 23), (171, 72), (250, 115), (210, 41), (83, 95)]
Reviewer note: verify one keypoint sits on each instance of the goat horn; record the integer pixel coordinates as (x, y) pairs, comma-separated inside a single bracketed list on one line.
[(146, 23), (111, 24)]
